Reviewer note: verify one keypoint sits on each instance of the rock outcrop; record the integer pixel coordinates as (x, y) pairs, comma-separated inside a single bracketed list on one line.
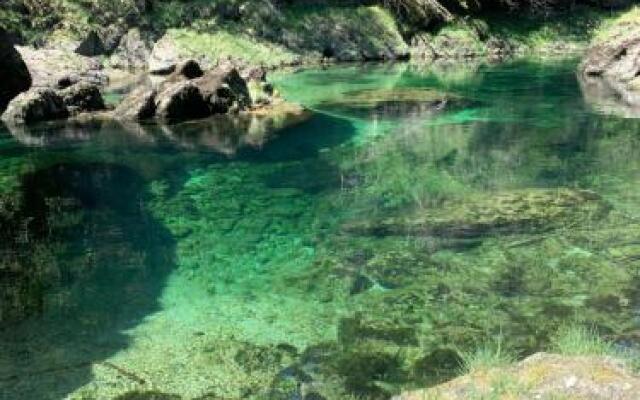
[(14, 76), (164, 56), (140, 104), (48, 66), (47, 104), (189, 93), (132, 52), (82, 97), (518, 211), (613, 61), (35, 106), (541, 376)]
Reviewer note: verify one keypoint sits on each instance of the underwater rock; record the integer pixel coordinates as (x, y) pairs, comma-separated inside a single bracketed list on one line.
[(360, 284), (542, 376), (314, 396), (395, 269), (253, 357), (518, 211), (148, 395), (358, 328), (397, 102), (364, 367)]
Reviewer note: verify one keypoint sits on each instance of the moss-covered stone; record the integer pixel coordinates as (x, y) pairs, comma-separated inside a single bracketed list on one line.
[(533, 210)]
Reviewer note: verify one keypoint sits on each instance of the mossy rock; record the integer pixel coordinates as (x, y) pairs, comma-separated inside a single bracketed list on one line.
[(397, 102), (253, 357), (509, 212), (395, 269), (369, 369), (147, 395), (358, 328)]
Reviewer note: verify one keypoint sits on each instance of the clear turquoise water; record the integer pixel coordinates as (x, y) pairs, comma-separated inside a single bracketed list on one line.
[(419, 213)]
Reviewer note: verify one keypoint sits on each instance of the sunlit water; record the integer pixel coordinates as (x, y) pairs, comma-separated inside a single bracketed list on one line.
[(419, 213)]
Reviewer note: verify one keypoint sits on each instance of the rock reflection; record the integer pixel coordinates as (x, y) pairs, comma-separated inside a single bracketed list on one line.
[(224, 134), (611, 98)]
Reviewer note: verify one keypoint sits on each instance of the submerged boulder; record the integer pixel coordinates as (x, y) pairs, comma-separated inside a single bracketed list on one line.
[(35, 106), (397, 102), (14, 75), (518, 211)]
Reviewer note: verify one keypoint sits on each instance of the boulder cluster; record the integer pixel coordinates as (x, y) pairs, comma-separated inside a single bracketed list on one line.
[(190, 93), (57, 102), (186, 93)]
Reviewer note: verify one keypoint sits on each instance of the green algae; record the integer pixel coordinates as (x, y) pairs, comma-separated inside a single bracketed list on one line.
[(511, 216)]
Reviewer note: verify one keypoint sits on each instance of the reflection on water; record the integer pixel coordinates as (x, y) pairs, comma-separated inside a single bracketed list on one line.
[(418, 213)]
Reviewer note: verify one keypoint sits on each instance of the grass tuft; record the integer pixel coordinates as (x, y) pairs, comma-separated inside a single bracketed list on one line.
[(491, 354), (578, 340)]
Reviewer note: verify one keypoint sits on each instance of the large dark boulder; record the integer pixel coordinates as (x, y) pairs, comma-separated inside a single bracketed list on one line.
[(91, 45), (82, 97), (224, 89), (35, 106), (14, 75), (181, 101)]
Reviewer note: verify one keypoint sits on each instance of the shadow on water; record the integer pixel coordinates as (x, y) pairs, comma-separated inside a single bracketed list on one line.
[(83, 258), (91, 265)]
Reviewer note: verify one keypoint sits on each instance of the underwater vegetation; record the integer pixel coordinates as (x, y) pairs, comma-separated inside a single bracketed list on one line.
[(385, 243)]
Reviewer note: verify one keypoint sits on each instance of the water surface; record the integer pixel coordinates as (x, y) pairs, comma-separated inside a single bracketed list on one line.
[(418, 213)]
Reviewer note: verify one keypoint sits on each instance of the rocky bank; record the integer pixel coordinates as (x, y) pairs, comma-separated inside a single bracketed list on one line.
[(541, 376)]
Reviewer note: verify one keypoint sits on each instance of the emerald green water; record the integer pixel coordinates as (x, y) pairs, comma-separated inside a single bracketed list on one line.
[(417, 214)]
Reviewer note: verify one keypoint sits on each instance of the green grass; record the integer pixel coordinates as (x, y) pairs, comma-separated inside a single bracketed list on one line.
[(573, 29), (620, 26), (318, 26), (578, 340), (221, 44), (491, 354)]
